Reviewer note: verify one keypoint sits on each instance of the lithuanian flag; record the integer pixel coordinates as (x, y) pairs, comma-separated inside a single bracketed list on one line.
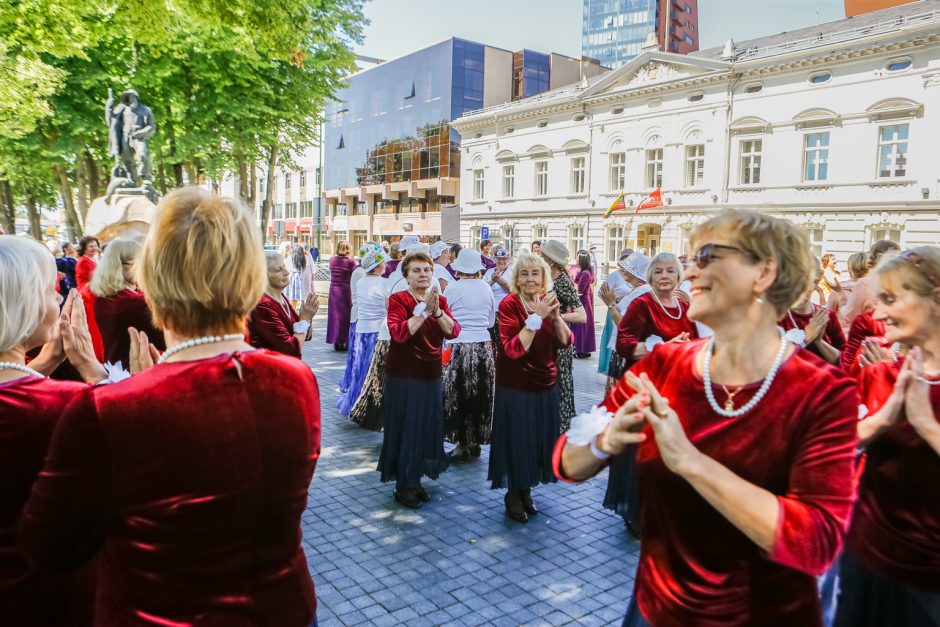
[(617, 204)]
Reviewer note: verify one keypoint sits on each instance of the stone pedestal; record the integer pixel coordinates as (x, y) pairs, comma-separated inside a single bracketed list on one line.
[(119, 216)]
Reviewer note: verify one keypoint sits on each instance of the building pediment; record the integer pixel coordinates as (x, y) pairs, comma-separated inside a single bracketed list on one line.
[(651, 68)]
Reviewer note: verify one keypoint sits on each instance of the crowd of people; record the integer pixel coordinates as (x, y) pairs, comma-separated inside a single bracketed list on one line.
[(767, 424)]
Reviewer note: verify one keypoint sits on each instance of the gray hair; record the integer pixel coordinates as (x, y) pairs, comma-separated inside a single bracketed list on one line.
[(27, 269), (664, 258)]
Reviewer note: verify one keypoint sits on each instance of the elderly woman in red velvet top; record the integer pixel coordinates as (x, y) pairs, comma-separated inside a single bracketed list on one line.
[(652, 318), (274, 324), (30, 407), (747, 442), (178, 477), (890, 570), (419, 320), (527, 407)]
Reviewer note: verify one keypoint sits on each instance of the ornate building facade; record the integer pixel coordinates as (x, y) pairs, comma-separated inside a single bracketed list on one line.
[(834, 127)]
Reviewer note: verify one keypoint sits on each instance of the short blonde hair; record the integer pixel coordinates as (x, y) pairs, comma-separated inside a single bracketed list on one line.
[(762, 237), (664, 258), (343, 248), (916, 270), (27, 269), (202, 266), (858, 265), (528, 261), (108, 279)]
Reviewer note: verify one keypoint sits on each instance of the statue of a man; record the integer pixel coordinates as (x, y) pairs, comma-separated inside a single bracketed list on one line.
[(130, 126)]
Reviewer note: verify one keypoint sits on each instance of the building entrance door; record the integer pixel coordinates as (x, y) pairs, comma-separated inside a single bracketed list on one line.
[(648, 238)]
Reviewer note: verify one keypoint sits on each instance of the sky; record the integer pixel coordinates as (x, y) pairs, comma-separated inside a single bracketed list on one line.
[(399, 27)]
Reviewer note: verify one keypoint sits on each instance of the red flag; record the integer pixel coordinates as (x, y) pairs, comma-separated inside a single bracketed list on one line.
[(651, 201)]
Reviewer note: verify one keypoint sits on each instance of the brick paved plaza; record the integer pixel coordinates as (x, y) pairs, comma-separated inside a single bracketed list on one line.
[(459, 560)]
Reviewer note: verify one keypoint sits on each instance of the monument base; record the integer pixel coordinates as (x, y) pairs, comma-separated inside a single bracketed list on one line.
[(126, 214)]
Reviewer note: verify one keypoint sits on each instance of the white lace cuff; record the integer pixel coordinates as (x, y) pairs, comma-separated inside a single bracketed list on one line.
[(533, 322), (587, 426), (652, 342), (421, 310), (796, 336), (862, 411), (301, 326), (116, 374)]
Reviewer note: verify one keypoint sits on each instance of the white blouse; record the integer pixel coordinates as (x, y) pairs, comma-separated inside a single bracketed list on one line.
[(499, 293), (370, 296), (472, 305)]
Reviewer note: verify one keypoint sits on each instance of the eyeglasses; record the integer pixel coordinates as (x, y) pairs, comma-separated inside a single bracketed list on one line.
[(706, 254), (918, 261)]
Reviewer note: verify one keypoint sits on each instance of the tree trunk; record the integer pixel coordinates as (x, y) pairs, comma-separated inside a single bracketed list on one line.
[(81, 182), (32, 212), (178, 174), (8, 208), (191, 173), (253, 188), (65, 191), (268, 190), (161, 176), (242, 168), (94, 176)]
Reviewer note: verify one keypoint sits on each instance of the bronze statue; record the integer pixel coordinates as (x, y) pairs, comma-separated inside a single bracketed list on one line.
[(130, 126)]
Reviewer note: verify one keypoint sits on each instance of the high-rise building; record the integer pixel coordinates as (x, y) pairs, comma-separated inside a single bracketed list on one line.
[(614, 31), (391, 160), (857, 7)]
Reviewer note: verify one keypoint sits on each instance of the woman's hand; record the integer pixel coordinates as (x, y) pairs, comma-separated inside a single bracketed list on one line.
[(143, 354), (872, 353), (547, 306), (677, 452), (432, 301), (625, 427), (917, 406), (309, 307), (76, 339), (607, 295), (817, 326), (681, 338)]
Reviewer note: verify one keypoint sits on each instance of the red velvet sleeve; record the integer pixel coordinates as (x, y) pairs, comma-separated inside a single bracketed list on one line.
[(509, 329), (268, 327), (446, 309), (834, 331), (815, 511), (84, 270), (630, 332), (398, 316), (860, 328), (63, 522)]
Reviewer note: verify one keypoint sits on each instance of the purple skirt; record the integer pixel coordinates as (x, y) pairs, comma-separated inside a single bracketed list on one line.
[(363, 347), (338, 313), (584, 340)]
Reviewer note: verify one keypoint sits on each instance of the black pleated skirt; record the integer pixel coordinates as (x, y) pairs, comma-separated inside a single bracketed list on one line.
[(367, 412), (869, 600), (525, 428), (413, 435), (623, 490)]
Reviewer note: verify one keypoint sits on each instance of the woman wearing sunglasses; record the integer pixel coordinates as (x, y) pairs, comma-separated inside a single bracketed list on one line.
[(747, 442), (890, 570), (655, 317)]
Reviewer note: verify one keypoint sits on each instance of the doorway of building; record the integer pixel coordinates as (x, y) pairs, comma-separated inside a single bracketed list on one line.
[(648, 238)]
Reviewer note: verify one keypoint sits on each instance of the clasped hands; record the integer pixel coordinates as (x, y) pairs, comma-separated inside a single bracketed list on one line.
[(912, 393), (548, 307), (650, 407), (432, 301)]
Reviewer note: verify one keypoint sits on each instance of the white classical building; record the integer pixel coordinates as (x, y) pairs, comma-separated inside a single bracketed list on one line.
[(835, 127)]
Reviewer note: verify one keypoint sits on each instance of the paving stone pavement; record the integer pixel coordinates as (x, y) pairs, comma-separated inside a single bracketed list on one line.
[(459, 560)]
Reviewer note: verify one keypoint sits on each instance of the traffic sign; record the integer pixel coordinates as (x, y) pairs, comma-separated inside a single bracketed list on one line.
[(484, 232)]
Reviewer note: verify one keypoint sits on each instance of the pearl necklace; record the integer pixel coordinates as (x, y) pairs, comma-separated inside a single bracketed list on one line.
[(665, 311), (526, 306), (10, 365), (282, 302), (199, 341), (765, 386)]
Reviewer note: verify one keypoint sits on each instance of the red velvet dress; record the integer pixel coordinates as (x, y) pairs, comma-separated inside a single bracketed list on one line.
[(271, 326), (115, 315), (415, 356), (191, 479), (696, 568), (29, 411), (644, 318), (833, 334), (895, 531), (84, 270), (862, 327), (532, 371)]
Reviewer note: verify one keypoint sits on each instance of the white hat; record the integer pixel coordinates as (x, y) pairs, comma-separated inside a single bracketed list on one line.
[(468, 261), (438, 248), (407, 242), (365, 248), (372, 258), (636, 264), (556, 251)]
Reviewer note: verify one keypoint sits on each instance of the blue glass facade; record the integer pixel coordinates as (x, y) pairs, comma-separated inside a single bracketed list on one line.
[(613, 31), (390, 123)]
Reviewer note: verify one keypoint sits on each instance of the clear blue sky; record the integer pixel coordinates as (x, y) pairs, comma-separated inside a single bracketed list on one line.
[(402, 26)]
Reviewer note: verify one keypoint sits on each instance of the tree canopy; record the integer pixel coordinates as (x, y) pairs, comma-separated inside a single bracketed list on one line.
[(232, 83)]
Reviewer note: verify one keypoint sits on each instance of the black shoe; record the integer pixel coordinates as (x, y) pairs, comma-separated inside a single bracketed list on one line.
[(408, 497), (514, 507), (422, 494), (475, 450), (527, 503), (462, 456), (632, 528)]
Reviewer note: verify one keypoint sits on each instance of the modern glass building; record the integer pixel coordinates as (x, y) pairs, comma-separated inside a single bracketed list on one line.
[(391, 160), (614, 31)]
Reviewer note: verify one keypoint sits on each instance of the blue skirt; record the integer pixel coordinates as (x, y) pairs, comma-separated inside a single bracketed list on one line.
[(413, 431), (363, 348), (350, 359), (525, 427), (603, 353)]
